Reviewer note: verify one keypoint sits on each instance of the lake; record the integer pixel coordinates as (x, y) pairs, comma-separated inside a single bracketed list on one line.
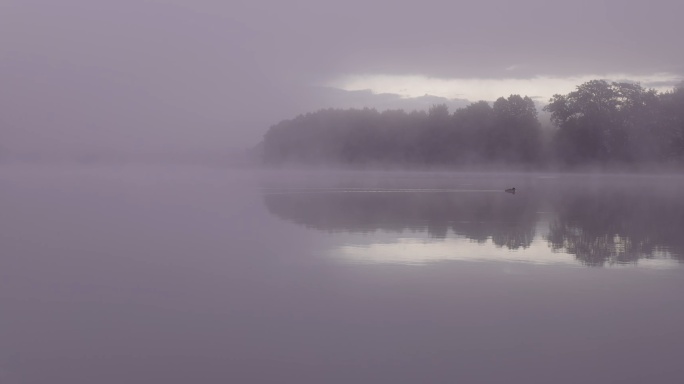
[(153, 274)]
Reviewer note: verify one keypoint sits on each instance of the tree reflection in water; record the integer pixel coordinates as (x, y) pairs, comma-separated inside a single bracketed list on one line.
[(602, 225), (507, 220), (611, 227)]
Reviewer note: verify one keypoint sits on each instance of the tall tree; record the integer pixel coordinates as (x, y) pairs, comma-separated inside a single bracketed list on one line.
[(516, 135), (606, 122)]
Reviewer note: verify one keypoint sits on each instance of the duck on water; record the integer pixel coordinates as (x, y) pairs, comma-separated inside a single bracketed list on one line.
[(511, 190)]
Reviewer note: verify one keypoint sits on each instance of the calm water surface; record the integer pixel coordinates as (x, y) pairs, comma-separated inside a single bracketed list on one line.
[(199, 275)]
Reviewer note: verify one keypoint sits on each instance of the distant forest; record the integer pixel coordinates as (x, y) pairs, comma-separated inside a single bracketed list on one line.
[(600, 123)]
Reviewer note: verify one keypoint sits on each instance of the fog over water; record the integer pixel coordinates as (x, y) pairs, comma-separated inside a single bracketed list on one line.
[(163, 274), (316, 192)]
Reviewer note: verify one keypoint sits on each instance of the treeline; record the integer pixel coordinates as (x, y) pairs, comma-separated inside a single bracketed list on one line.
[(598, 123)]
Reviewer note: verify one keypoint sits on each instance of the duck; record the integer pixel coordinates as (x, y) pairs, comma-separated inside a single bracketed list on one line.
[(511, 190)]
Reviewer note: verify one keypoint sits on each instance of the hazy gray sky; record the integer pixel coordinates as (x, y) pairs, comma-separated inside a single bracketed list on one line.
[(156, 75)]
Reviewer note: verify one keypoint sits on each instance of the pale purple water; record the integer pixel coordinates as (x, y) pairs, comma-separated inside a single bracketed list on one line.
[(197, 275)]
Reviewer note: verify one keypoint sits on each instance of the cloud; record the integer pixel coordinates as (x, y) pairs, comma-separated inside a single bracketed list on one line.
[(538, 87)]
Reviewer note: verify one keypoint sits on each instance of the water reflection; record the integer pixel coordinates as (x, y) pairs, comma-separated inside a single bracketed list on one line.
[(416, 251), (507, 220), (155, 275), (618, 227), (605, 224)]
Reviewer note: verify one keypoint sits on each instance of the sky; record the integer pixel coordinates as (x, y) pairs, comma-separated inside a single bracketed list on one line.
[(195, 75)]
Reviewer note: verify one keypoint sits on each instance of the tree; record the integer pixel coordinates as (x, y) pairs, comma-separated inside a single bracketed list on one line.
[(602, 122), (671, 122), (516, 135), (472, 122)]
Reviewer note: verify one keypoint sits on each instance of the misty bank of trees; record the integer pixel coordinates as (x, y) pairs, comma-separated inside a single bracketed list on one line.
[(599, 123)]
